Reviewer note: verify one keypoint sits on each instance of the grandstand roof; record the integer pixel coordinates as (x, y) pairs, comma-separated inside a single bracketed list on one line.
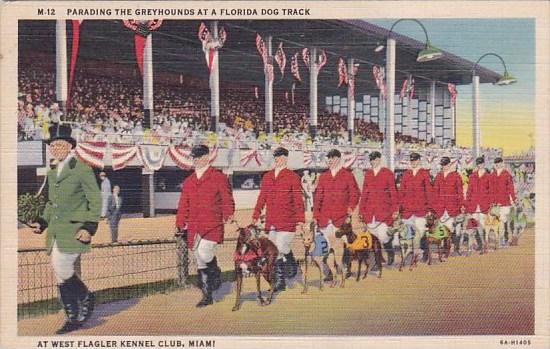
[(177, 48)]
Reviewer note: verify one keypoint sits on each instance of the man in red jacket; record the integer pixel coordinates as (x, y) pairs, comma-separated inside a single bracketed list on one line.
[(206, 202), (336, 196), (447, 193), (479, 195), (281, 195), (379, 201), (503, 195), (414, 196)]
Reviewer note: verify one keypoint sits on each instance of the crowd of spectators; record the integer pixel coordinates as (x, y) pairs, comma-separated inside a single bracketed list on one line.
[(109, 108)]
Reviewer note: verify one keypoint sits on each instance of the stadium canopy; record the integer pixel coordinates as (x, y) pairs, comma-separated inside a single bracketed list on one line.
[(177, 49)]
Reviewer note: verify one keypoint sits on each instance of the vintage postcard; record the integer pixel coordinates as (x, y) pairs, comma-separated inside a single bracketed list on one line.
[(275, 174)]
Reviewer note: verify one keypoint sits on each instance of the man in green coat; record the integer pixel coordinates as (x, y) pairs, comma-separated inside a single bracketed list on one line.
[(71, 217)]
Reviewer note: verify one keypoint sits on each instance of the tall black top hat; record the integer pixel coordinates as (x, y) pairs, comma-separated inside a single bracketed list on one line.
[(61, 131)]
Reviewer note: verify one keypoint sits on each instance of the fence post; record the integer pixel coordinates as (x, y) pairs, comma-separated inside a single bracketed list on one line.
[(182, 256)]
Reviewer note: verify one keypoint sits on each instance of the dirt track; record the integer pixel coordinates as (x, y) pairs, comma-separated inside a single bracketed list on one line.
[(489, 294)]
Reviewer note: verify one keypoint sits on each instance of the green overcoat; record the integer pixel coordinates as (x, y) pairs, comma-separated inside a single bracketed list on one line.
[(74, 203)]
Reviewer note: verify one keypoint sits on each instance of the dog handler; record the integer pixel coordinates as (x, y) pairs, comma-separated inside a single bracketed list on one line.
[(206, 203), (414, 196), (281, 195), (336, 197), (71, 217), (379, 201), (504, 195), (479, 195)]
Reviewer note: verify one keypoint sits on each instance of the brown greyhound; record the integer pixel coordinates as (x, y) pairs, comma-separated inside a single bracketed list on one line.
[(316, 252), (438, 234), (359, 247), (255, 255)]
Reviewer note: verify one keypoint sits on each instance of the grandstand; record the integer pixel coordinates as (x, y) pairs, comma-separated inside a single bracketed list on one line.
[(107, 104)]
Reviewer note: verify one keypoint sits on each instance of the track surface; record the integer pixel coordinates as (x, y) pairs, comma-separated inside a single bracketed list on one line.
[(476, 295)]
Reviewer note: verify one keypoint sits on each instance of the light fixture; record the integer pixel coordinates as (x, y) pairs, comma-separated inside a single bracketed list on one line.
[(429, 53), (379, 47), (505, 79)]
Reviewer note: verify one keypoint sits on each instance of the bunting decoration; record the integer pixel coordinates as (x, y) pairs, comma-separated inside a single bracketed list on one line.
[(342, 73), (210, 44), (181, 155), (152, 156), (351, 79), (267, 61), (314, 159), (280, 58), (453, 92), (250, 155), (74, 55), (142, 29), (91, 153), (295, 68), (322, 60), (122, 154), (348, 159), (379, 77)]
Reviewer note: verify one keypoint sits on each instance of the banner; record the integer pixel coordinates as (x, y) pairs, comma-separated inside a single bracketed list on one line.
[(152, 156), (249, 155), (280, 58), (141, 29), (74, 55), (453, 92), (122, 154), (91, 153), (379, 77), (210, 44), (181, 155), (268, 63), (342, 72), (295, 68)]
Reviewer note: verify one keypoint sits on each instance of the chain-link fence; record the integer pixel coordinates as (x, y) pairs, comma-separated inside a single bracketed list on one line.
[(114, 271)]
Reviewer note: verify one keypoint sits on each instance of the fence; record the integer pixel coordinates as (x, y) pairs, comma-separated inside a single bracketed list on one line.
[(114, 271)]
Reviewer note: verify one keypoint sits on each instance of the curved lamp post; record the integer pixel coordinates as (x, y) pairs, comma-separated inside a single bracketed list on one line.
[(429, 53), (506, 79)]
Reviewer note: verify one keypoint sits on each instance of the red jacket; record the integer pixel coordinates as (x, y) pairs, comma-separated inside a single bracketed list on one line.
[(379, 199), (479, 192), (282, 198), (414, 193), (204, 205), (503, 188), (447, 194), (333, 196)]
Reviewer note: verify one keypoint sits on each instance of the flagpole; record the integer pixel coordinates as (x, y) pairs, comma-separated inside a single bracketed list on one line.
[(61, 64), (313, 93), (269, 90), (215, 83), (432, 111)]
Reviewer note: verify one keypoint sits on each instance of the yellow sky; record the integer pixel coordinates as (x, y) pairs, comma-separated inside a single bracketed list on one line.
[(507, 126)]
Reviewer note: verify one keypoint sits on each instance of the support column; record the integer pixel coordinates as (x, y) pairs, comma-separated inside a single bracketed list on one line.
[(476, 132), (313, 93), (269, 90), (351, 101), (432, 110), (215, 84), (389, 135), (61, 64), (148, 109), (148, 193)]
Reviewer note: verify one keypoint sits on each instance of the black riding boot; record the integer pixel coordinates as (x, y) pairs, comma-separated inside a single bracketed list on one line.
[(204, 284), (85, 299), (390, 252), (70, 305), (214, 274), (291, 266), (280, 272)]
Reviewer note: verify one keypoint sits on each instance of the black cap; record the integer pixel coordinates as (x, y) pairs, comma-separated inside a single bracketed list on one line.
[(280, 152), (415, 156), (374, 155), (62, 132), (498, 160), (199, 151), (445, 161), (334, 153), (480, 160)]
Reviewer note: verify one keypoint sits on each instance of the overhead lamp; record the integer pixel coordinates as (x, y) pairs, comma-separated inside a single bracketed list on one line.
[(429, 53), (505, 79)]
